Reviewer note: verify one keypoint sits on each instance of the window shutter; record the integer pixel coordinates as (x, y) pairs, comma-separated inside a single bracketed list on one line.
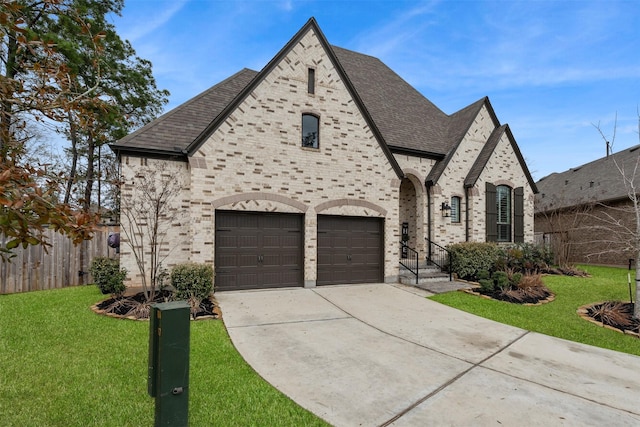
[(492, 213), (518, 215)]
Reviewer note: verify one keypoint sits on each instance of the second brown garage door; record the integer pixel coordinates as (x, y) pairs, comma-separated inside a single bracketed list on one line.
[(350, 250), (258, 250)]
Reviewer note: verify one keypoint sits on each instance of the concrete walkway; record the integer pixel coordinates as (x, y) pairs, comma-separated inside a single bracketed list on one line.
[(379, 354)]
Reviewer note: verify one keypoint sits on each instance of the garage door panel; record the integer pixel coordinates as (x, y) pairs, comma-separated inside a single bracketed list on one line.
[(247, 221), (258, 250), (246, 260), (291, 240), (227, 241), (247, 242), (350, 250)]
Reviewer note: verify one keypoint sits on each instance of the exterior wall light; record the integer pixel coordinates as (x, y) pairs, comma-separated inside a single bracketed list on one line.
[(446, 210)]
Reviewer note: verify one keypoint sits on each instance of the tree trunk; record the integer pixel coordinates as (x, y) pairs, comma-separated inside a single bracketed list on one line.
[(6, 115), (636, 305), (91, 147), (74, 158)]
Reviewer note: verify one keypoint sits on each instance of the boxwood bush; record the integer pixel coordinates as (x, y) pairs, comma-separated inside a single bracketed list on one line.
[(470, 258), (108, 275), (192, 280)]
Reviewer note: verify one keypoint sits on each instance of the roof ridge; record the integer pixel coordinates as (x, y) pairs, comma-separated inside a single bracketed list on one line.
[(620, 153)]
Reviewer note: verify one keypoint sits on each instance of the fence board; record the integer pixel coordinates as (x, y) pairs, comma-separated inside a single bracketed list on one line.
[(34, 269)]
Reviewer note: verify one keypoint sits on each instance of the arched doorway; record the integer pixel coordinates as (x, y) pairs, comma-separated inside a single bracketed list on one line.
[(410, 213)]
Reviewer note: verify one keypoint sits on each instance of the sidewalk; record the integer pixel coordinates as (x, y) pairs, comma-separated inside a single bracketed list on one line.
[(369, 355)]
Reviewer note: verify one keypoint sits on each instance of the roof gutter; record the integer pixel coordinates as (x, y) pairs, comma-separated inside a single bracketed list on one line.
[(177, 154), (416, 153)]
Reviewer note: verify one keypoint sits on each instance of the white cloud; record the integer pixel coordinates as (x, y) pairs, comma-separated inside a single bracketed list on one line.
[(145, 25)]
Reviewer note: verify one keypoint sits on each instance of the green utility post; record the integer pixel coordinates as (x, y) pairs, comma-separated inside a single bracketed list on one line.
[(168, 379)]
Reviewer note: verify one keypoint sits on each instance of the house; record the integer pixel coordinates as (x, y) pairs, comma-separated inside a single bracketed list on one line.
[(585, 213), (313, 170)]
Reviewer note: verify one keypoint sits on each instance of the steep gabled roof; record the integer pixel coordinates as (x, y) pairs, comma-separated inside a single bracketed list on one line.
[(458, 125), (406, 119), (230, 103), (597, 181), (488, 150), (402, 120), (172, 132)]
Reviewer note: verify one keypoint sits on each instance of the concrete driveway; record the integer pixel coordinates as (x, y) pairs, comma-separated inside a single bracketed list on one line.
[(380, 354)]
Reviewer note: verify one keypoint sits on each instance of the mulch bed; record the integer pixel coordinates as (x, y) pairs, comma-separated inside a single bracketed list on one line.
[(521, 298), (614, 315), (135, 307)]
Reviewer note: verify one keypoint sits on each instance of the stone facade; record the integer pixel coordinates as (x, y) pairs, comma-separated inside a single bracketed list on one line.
[(503, 169), (144, 179)]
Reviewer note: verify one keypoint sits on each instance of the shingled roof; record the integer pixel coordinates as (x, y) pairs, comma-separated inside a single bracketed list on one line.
[(406, 119), (487, 152), (403, 119), (597, 181), (172, 132)]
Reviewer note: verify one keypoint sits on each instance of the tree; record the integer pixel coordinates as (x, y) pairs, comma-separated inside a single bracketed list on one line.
[(626, 236), (125, 94), (148, 211), (562, 222), (62, 62), (35, 81)]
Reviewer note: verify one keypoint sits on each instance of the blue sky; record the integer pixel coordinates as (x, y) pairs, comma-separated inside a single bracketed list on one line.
[(551, 69)]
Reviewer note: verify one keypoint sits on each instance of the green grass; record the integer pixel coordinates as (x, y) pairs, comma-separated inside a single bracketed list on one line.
[(559, 318), (63, 365)]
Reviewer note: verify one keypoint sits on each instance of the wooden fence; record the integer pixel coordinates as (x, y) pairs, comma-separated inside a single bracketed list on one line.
[(62, 265)]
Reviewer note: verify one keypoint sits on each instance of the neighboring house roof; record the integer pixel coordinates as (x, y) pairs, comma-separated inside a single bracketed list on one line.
[(597, 181), (487, 151)]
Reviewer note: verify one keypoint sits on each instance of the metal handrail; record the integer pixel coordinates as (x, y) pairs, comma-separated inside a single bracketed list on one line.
[(412, 261), (440, 256)]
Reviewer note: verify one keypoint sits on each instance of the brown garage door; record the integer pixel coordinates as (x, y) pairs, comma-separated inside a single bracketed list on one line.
[(258, 250), (350, 250)]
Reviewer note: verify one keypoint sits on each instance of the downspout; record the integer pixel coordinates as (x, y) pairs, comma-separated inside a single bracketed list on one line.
[(428, 185), (466, 214)]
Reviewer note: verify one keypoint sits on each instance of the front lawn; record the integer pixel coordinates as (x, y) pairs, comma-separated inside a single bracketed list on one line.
[(559, 318), (63, 365)]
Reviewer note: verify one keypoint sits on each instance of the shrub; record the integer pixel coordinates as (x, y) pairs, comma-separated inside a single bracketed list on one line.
[(526, 258), (108, 275), (192, 281), (486, 286), (483, 274), (470, 258), (515, 279), (501, 280)]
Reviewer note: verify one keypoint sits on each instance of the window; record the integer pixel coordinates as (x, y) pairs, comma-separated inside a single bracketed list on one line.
[(455, 209), (311, 81), (503, 210), (310, 136)]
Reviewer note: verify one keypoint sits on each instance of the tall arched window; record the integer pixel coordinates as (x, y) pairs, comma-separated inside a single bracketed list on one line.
[(310, 131), (503, 210)]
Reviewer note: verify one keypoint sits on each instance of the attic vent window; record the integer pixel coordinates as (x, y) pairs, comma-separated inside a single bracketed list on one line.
[(311, 81)]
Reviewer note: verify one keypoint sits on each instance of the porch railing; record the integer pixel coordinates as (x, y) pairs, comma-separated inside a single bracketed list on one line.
[(412, 261), (440, 256)]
